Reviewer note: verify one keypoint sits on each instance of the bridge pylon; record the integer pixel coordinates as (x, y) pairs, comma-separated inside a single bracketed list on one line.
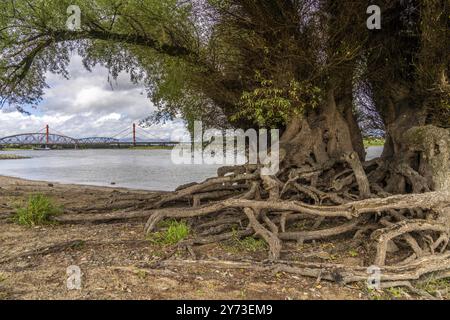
[(134, 134), (47, 135)]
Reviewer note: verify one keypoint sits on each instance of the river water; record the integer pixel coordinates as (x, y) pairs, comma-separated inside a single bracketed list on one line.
[(136, 169)]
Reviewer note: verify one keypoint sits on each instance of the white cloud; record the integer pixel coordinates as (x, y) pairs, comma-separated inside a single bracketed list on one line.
[(112, 116), (87, 105)]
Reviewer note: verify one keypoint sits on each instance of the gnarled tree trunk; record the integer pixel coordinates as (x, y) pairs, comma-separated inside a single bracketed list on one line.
[(320, 136), (416, 154)]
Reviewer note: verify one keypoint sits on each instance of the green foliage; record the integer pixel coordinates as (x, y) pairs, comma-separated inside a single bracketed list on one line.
[(220, 4), (176, 91), (373, 142), (353, 253), (270, 104), (175, 232), (432, 286), (197, 59), (252, 244), (396, 293), (446, 102), (393, 293), (34, 40), (38, 210), (374, 294)]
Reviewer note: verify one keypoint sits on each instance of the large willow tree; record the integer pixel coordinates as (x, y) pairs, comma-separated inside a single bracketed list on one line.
[(301, 65)]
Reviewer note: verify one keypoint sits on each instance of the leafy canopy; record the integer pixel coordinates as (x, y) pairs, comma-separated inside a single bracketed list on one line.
[(198, 58)]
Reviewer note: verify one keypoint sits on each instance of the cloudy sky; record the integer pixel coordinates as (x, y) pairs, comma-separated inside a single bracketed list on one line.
[(86, 105)]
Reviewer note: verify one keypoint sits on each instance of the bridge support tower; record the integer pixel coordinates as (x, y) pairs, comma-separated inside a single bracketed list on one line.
[(134, 134), (47, 135)]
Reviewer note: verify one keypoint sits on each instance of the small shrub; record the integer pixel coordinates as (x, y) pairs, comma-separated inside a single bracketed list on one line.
[(176, 231), (38, 210)]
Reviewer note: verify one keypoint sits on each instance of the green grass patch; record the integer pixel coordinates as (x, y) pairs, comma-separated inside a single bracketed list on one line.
[(353, 253), (396, 293), (142, 274), (301, 225), (373, 142), (251, 244), (174, 233), (37, 211), (432, 286)]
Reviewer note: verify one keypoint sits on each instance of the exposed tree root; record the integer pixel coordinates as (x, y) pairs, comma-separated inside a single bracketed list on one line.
[(336, 197), (340, 273), (72, 244), (322, 234), (191, 190), (359, 206), (270, 237), (101, 218), (383, 236)]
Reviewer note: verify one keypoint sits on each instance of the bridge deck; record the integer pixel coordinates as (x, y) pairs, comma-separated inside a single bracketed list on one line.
[(56, 139)]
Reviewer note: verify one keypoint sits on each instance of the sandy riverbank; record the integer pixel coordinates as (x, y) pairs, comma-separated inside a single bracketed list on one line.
[(116, 260)]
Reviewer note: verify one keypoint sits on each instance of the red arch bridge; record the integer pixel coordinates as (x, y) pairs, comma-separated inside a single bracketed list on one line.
[(138, 136)]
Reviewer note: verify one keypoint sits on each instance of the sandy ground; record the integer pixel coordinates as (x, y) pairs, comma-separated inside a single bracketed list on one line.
[(117, 262)]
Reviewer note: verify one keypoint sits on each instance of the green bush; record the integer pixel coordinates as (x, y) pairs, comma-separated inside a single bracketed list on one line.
[(38, 210), (175, 232)]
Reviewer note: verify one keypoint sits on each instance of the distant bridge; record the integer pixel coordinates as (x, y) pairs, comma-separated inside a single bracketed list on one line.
[(37, 139), (46, 138)]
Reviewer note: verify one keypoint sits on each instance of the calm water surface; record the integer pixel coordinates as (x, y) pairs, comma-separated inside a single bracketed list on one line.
[(137, 169)]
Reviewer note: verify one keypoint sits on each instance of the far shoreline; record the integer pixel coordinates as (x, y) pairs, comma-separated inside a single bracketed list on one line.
[(8, 156)]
